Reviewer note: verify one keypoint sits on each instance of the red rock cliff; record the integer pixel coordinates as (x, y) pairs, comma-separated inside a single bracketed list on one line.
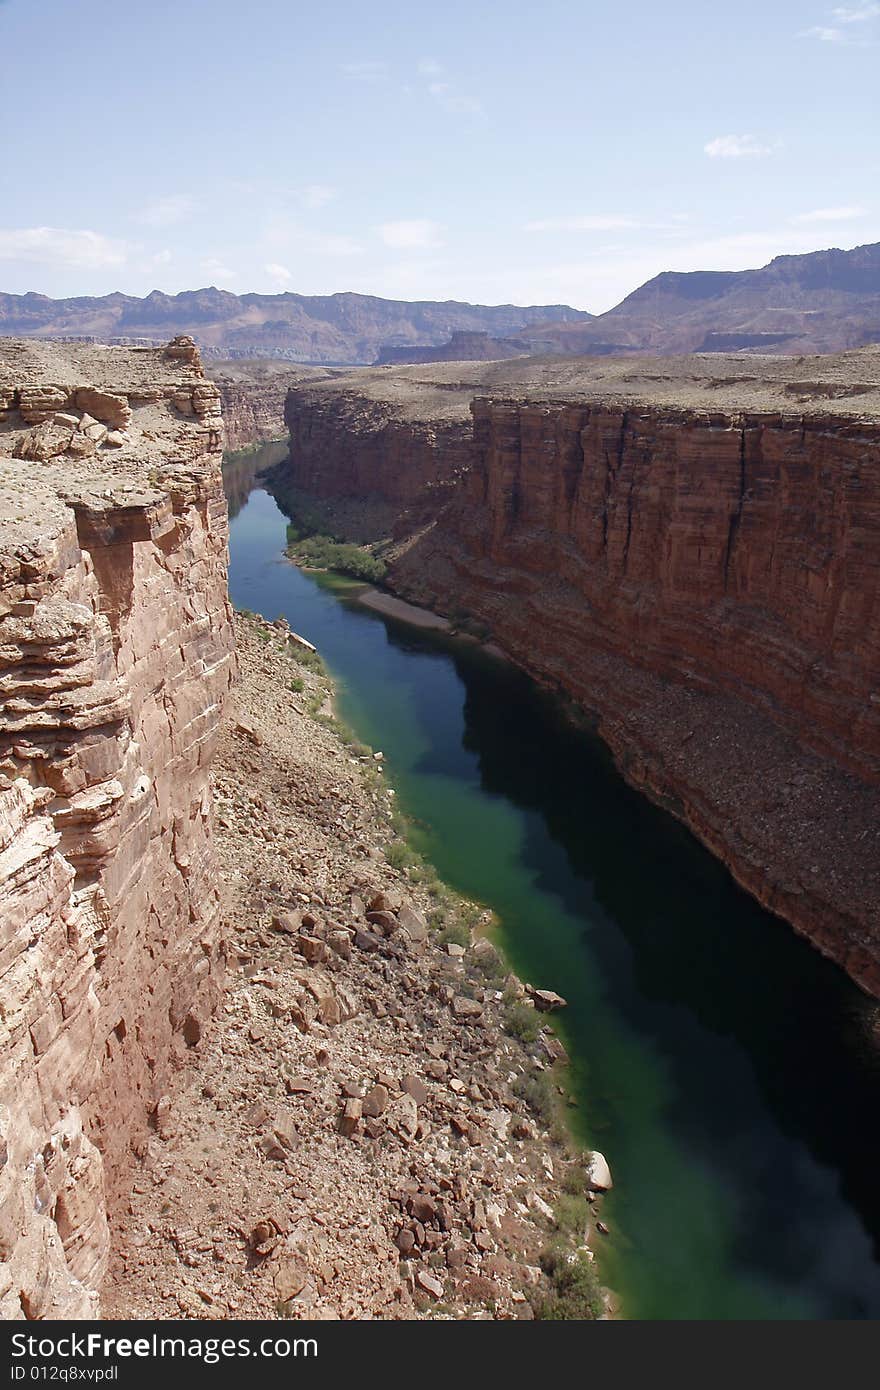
[(344, 445), (116, 656), (706, 581)]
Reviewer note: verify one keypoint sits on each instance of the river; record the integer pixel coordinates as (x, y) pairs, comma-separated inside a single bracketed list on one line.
[(728, 1072)]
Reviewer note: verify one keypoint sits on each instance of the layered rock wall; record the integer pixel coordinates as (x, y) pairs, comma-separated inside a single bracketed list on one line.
[(342, 446), (736, 553), (116, 657), (706, 582), (253, 411)]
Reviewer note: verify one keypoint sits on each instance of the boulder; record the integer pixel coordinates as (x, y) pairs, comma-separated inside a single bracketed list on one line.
[(413, 923), (291, 1275), (350, 1118), (598, 1172), (106, 406), (43, 442), (462, 1007), (376, 1101), (429, 1283), (385, 921), (415, 1088), (545, 999)]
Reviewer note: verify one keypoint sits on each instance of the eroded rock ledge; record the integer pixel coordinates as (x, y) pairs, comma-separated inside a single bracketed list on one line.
[(690, 548), (116, 657)]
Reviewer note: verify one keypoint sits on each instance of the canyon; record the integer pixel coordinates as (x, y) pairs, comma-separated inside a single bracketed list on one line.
[(252, 396), (211, 925), (208, 927), (687, 548)]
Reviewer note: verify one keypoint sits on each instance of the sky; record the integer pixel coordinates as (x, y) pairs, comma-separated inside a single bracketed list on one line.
[(563, 152)]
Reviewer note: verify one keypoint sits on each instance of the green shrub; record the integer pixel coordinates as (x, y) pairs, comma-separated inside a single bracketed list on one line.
[(575, 1179), (420, 872), (455, 934), (297, 685), (470, 912), (322, 552), (572, 1212), (521, 1021), (304, 657), (489, 963), (536, 1089), (399, 855), (575, 1293)]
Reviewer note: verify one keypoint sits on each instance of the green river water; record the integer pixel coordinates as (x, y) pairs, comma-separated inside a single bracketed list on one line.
[(727, 1071)]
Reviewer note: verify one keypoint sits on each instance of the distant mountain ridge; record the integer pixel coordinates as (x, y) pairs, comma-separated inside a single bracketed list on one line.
[(823, 301), (338, 329)]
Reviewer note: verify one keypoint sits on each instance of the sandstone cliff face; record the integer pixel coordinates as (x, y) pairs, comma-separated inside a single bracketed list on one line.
[(253, 411), (707, 583), (345, 446), (116, 656)]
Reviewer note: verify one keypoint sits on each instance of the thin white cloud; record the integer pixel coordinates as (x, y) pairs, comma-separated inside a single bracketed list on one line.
[(166, 212), (333, 245), (847, 37), (278, 274), (455, 102), (317, 195), (369, 70), (845, 15), (840, 214), (737, 147), (445, 92), (415, 234), (61, 246), (823, 33), (218, 271), (581, 224), (285, 234)]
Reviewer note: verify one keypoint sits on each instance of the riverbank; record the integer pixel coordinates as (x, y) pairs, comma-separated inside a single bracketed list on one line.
[(319, 1158), (404, 612)]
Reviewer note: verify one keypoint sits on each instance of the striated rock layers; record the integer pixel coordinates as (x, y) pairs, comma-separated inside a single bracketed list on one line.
[(705, 579), (343, 445), (116, 656), (252, 396)]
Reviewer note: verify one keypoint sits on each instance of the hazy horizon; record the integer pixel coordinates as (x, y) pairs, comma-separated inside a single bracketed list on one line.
[(367, 294), (412, 156)]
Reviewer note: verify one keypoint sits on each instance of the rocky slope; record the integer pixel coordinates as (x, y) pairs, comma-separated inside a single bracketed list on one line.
[(117, 659), (692, 553), (353, 1170), (322, 329)]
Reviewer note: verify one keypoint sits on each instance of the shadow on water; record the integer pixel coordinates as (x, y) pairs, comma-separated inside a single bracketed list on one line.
[(728, 1071), (242, 469)]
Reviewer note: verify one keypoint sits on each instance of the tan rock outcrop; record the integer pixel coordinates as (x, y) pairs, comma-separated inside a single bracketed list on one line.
[(116, 656)]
